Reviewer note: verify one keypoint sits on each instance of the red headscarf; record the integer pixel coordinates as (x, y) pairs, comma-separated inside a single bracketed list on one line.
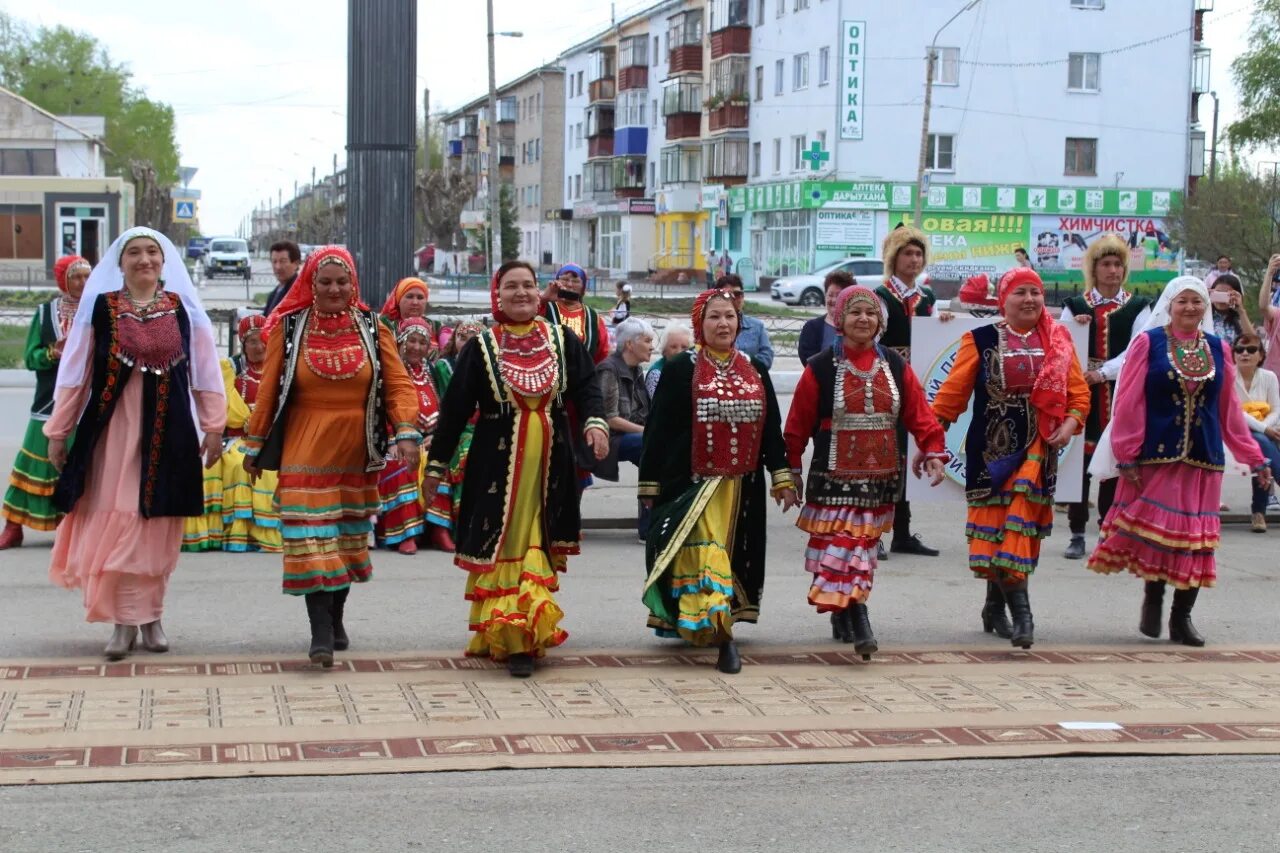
[(1049, 393), (250, 324), (857, 293), (62, 265), (303, 293), (494, 301), (391, 308), (410, 325), (700, 309)]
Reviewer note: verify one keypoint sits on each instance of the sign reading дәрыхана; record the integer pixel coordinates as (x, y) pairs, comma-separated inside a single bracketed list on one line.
[(851, 78)]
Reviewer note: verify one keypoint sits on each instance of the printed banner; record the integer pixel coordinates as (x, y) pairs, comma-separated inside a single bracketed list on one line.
[(852, 231), (934, 346), (966, 244), (1059, 244)]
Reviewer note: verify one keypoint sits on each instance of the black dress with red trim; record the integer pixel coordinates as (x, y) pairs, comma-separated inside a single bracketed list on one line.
[(154, 348)]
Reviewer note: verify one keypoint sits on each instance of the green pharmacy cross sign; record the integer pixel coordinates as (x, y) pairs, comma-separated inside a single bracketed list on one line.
[(816, 156)]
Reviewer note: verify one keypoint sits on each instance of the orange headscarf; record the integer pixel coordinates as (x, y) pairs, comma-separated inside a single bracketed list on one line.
[(303, 293), (391, 308), (1049, 393)]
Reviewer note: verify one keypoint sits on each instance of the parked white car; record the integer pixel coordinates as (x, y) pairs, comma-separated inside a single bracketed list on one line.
[(807, 289), (226, 255)]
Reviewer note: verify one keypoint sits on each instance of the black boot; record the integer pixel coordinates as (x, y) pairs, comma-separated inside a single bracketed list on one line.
[(1152, 608), (994, 617), (1020, 608), (729, 661), (520, 666), (1180, 628), (841, 627), (340, 640), (320, 612), (864, 641)]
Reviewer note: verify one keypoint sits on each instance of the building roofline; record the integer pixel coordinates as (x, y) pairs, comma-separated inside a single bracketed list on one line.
[(49, 115), (647, 12), (549, 68)]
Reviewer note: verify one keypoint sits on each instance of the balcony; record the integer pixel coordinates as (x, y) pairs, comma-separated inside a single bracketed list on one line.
[(600, 146), (734, 40), (630, 140), (684, 126), (636, 77), (455, 147), (684, 39), (682, 107), (628, 177), (727, 116), (507, 110), (633, 52), (726, 160), (470, 127), (685, 59), (602, 90)]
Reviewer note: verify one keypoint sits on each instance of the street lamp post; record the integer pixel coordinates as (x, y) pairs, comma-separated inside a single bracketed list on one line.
[(1213, 149), (930, 61), (495, 180)]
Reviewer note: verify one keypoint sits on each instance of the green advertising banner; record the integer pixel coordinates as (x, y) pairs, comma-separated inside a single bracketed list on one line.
[(967, 244)]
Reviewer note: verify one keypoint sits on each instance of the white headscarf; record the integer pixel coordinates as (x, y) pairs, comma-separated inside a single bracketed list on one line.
[(1160, 315), (107, 276)]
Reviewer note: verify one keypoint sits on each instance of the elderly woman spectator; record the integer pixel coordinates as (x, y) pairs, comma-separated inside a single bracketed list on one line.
[(626, 401), (676, 338)]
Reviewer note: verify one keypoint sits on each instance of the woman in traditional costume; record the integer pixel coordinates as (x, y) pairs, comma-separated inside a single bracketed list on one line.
[(408, 299), (519, 517), (332, 391), (1030, 398), (28, 502), (712, 437), (1176, 407), (140, 373), (250, 519), (402, 520), (850, 402)]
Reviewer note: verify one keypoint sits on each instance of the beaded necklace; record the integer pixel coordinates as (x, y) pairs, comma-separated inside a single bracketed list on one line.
[(247, 384), (527, 362), (428, 402), (1191, 360), (333, 349)]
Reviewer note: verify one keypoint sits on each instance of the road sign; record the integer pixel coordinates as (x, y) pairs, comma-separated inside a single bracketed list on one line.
[(816, 156), (184, 210)]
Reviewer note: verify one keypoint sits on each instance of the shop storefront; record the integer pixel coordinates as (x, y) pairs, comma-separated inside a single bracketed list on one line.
[(615, 237), (680, 226)]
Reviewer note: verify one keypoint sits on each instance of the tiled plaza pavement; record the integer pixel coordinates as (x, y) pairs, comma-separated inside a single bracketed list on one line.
[(153, 717)]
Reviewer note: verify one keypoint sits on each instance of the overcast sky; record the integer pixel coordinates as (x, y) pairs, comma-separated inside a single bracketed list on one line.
[(259, 88)]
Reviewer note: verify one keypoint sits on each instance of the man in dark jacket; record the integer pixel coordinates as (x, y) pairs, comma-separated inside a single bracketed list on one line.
[(820, 333), (286, 258)]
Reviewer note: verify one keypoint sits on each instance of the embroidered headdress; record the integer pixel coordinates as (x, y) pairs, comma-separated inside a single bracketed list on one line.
[(700, 310)]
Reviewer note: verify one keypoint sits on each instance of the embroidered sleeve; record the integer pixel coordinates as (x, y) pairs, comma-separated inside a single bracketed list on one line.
[(595, 423), (38, 355), (801, 418), (1129, 411)]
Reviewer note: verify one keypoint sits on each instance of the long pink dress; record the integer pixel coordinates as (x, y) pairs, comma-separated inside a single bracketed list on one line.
[(1169, 528), (104, 546)]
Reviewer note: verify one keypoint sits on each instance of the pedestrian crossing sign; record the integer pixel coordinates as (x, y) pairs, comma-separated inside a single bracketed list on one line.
[(184, 211)]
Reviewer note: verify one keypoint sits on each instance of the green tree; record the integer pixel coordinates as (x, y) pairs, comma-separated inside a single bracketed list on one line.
[(507, 220), (70, 73), (1257, 75), (1236, 215)]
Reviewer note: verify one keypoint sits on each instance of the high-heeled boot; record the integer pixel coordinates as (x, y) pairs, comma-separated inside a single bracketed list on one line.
[(994, 617), (864, 640), (1180, 628), (1152, 608), (729, 661), (1020, 609), (841, 627), (153, 638), (320, 613), (340, 640), (121, 643)]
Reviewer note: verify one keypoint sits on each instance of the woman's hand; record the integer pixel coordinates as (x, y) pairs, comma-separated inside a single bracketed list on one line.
[(1265, 479), (430, 485), (787, 498), (251, 468), (1063, 433), (945, 316), (406, 451), (598, 441), (211, 448), (58, 453), (1272, 433), (1083, 319), (798, 478), (936, 469), (1132, 475)]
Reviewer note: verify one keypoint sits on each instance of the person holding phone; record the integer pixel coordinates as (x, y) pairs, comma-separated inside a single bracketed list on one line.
[(1230, 320), (1270, 316)]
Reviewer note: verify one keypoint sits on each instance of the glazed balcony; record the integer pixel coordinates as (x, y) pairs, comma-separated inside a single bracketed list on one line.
[(730, 41), (600, 146), (728, 116), (602, 90), (684, 126), (685, 59), (636, 77)]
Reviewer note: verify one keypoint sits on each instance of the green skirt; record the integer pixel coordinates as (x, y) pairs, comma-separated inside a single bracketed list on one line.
[(29, 498)]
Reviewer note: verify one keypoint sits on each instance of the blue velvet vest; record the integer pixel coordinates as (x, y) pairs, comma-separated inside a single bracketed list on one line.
[(1182, 425)]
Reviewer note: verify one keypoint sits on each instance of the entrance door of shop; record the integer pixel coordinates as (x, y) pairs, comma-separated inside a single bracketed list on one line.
[(82, 230)]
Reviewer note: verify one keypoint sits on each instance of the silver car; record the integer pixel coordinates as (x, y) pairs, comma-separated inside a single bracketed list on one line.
[(807, 289)]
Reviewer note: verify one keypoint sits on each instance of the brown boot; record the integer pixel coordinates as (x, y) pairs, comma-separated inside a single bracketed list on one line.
[(11, 536), (439, 538)]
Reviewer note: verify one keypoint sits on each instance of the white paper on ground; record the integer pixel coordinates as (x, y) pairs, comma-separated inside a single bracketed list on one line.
[(1091, 725)]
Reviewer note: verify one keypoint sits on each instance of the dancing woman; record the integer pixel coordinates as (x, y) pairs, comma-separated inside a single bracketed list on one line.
[(850, 403), (1030, 397), (518, 522), (712, 437), (1176, 407)]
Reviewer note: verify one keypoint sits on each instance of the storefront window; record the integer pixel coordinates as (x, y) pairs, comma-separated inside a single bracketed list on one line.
[(786, 243), (611, 241)]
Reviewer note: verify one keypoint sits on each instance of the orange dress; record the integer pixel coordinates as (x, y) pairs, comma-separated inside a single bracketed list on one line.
[(328, 487)]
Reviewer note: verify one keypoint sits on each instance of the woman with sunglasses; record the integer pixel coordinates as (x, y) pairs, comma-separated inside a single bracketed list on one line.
[(1259, 393)]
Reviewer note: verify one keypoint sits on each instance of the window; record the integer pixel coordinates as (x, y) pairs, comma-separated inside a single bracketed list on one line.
[(787, 235), (631, 105), (759, 82), (656, 50), (946, 66), (782, 8), (1082, 156), (940, 155), (779, 71), (633, 52), (800, 71), (1082, 72), (760, 13), (725, 158), (797, 153), (681, 165), (678, 97), (728, 13), (609, 228), (653, 113), (653, 175), (578, 77), (755, 159), (598, 177), (577, 136), (824, 66), (1087, 4), (21, 230), (729, 79), (599, 120), (822, 140), (601, 64), (802, 4), (537, 150), (28, 161), (537, 103), (577, 186), (628, 172), (777, 156), (685, 29)]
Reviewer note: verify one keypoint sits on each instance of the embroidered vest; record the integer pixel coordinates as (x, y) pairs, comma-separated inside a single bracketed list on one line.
[(1182, 422), (590, 333), (897, 332), (728, 416)]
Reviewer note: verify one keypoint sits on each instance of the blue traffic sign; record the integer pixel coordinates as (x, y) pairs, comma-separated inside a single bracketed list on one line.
[(184, 210)]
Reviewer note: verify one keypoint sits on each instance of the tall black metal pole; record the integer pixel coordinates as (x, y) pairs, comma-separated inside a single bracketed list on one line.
[(381, 140)]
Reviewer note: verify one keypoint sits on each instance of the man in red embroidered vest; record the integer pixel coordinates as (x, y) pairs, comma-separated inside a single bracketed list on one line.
[(1115, 316), (562, 303)]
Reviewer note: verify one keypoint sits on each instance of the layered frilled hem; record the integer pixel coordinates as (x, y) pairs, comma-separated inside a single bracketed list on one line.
[(250, 519), (513, 609), (119, 560), (204, 532), (325, 522), (1005, 530), (1168, 532), (401, 515), (841, 554), (29, 499)]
